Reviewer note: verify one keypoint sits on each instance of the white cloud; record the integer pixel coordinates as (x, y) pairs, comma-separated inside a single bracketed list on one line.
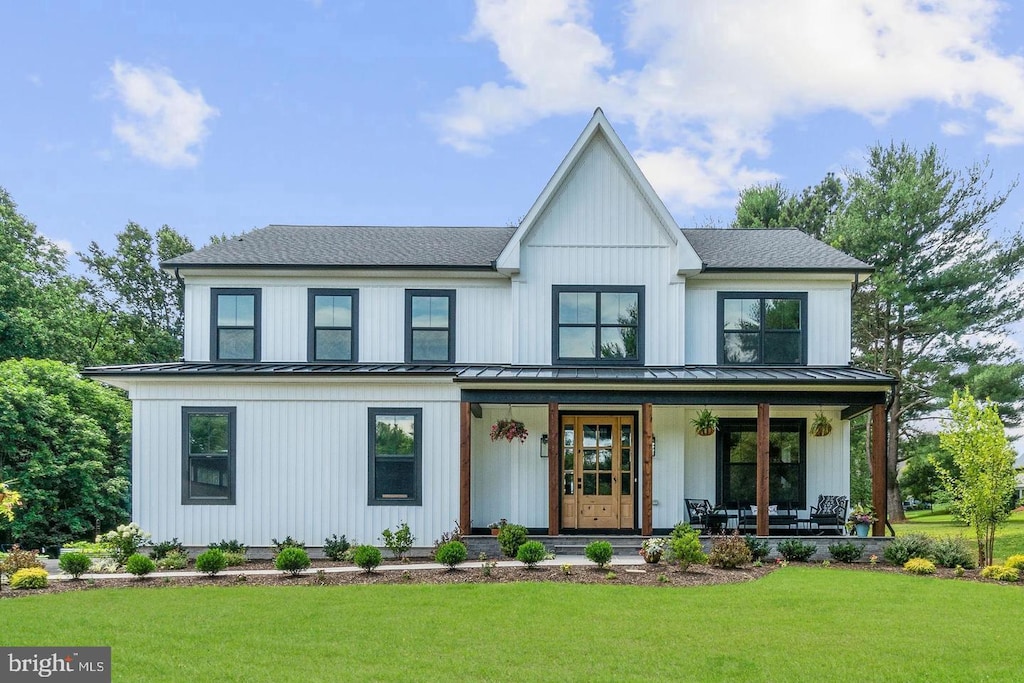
[(162, 122), (954, 128), (716, 76), (64, 245)]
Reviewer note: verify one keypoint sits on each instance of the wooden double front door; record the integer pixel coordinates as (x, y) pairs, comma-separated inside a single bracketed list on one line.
[(598, 471)]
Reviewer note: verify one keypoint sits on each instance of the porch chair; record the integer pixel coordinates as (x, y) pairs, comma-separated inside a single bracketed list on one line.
[(829, 512), (699, 512)]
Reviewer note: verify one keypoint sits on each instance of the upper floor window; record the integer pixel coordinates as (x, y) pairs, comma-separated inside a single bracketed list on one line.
[(598, 325), (208, 456), (333, 325), (768, 328), (235, 325), (429, 325)]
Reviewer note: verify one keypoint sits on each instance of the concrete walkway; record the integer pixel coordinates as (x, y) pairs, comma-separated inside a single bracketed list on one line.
[(56, 574)]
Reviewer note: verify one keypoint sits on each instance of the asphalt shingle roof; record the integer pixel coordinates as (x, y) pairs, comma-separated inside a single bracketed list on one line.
[(768, 249), (354, 246)]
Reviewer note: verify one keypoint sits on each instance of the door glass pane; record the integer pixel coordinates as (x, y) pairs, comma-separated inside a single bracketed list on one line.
[(604, 484), (568, 460), (742, 314), (589, 484), (568, 436), (589, 458), (568, 484), (605, 436), (604, 459), (589, 435), (626, 459), (626, 484), (577, 308), (576, 342), (626, 435)]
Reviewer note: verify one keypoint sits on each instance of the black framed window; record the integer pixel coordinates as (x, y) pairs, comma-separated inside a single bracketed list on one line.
[(235, 325), (597, 325), (396, 456), (333, 322), (208, 456), (429, 325), (762, 328), (787, 462)]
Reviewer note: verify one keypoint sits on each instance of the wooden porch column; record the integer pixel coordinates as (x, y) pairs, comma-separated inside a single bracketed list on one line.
[(763, 429), (646, 468), (554, 469), (465, 480), (879, 472)]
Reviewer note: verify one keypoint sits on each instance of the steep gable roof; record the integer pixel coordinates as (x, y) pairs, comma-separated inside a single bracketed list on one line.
[(283, 246), (686, 258), (774, 249)]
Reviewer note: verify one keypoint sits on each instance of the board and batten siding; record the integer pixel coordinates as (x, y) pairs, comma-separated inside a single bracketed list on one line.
[(301, 462), (482, 324), (828, 317)]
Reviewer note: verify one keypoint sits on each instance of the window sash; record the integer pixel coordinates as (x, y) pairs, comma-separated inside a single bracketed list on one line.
[(208, 456), (333, 325), (430, 326), (762, 328), (589, 325), (395, 456), (737, 462), (235, 324)]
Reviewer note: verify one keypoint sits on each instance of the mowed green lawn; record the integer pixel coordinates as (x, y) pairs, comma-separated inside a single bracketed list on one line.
[(798, 624), (1009, 537)]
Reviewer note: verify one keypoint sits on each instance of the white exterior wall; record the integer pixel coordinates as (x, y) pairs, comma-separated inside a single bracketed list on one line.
[(828, 316), (482, 324), (301, 461)]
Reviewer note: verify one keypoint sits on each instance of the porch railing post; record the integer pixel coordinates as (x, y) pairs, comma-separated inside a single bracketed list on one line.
[(763, 430), (554, 468), (879, 471), (646, 469), (465, 478)]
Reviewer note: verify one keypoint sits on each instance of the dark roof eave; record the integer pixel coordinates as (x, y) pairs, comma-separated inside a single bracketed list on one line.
[(852, 271), (489, 267)]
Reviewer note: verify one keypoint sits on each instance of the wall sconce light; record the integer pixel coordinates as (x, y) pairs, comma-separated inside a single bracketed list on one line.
[(543, 445)]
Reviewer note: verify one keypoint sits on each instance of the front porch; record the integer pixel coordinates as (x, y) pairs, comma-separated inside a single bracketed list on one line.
[(660, 462)]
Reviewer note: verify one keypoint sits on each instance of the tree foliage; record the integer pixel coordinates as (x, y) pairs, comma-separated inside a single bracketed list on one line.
[(67, 443), (984, 481)]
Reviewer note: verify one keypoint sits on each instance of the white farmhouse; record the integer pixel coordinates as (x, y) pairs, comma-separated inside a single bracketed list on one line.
[(344, 379)]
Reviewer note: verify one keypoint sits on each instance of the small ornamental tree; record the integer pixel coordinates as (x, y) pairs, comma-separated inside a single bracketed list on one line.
[(984, 478)]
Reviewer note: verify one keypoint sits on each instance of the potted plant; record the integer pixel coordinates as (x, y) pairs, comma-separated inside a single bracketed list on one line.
[(705, 423), (821, 425), (509, 429), (496, 527), (861, 519), (652, 549)]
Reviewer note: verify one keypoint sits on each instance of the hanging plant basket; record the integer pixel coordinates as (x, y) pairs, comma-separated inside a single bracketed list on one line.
[(509, 430), (705, 423), (821, 425)]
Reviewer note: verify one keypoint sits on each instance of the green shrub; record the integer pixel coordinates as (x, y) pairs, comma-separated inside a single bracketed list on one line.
[(845, 551), (18, 559), (903, 548), (173, 560), (123, 542), (211, 561), (234, 559), (139, 565), (75, 564), (236, 546), (335, 547), (400, 541), (729, 552), (292, 561), (160, 550), (954, 551), (510, 538), (684, 547), (451, 554), (367, 556), (599, 552), (531, 552), (1013, 562), (795, 550), (1001, 573), (919, 565), (288, 542), (759, 548), (30, 577)]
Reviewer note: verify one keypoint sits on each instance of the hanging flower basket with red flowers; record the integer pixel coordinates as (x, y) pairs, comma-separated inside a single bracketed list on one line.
[(509, 429)]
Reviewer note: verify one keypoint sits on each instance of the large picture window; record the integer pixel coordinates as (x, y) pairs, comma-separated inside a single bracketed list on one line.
[(235, 325), (429, 325), (395, 456), (737, 462), (333, 325), (762, 328), (597, 325), (208, 456)]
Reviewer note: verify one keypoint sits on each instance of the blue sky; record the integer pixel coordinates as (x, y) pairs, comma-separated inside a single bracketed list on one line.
[(221, 117)]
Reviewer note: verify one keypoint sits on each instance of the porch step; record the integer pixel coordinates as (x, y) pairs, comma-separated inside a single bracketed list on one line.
[(560, 545)]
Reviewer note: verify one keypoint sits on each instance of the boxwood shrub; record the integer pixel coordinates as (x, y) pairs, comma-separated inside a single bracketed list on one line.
[(139, 565), (796, 550), (599, 552), (845, 551), (451, 554), (211, 561), (531, 552), (292, 561), (367, 556), (75, 564), (510, 538)]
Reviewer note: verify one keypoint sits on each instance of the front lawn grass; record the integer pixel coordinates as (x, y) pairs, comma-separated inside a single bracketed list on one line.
[(1009, 536), (798, 624)]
